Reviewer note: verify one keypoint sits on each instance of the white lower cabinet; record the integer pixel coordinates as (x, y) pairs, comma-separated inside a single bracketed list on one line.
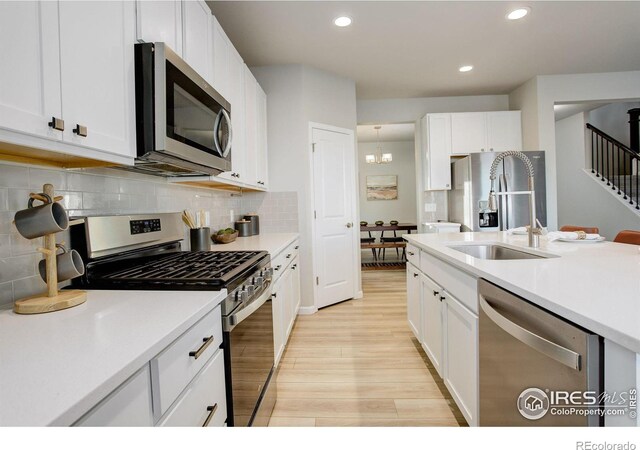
[(285, 297), (461, 356), (128, 406), (203, 402), (432, 297), (414, 301), (183, 386), (448, 326)]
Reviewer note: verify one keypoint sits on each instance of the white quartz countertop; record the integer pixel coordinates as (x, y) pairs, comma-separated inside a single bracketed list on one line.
[(273, 243), (54, 367), (595, 285)]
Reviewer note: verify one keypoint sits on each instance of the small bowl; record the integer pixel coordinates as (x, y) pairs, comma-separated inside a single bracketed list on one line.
[(393, 222), (224, 238), (379, 223), (364, 223)]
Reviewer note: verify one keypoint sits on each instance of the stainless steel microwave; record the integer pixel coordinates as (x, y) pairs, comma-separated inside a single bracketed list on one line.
[(183, 125)]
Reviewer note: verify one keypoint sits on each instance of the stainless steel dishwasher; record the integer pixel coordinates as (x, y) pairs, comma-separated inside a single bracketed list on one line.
[(536, 369)]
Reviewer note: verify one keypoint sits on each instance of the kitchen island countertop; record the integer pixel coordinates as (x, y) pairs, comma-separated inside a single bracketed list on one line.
[(55, 367), (595, 285)]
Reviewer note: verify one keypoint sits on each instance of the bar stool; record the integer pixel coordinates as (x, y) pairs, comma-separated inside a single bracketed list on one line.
[(389, 240), (628, 237)]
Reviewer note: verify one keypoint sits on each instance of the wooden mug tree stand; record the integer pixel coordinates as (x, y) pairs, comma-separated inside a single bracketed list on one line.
[(54, 300)]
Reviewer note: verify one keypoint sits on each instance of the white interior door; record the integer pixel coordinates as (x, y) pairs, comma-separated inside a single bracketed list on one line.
[(334, 198)]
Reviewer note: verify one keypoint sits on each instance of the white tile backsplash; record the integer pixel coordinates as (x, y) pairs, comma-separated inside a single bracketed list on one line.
[(112, 191)]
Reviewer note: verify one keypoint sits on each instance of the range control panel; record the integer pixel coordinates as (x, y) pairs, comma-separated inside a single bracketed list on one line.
[(144, 226)]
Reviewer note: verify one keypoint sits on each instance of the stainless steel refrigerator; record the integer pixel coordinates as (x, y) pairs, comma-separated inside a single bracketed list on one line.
[(470, 192)]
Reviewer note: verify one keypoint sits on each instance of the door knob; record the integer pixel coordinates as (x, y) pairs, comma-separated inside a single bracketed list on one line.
[(349, 225)]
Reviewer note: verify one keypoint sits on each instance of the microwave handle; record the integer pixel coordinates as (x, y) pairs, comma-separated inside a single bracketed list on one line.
[(227, 148)]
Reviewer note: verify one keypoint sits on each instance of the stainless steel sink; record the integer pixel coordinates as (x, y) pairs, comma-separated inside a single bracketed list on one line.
[(494, 251)]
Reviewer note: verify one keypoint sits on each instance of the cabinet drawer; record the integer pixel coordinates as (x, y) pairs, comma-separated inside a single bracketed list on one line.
[(204, 401), (175, 367), (128, 406), (413, 255), (460, 284), (284, 258)]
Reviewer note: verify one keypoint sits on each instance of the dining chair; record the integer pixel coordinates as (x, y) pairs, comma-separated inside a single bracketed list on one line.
[(628, 237), (590, 230), (370, 240), (390, 240)]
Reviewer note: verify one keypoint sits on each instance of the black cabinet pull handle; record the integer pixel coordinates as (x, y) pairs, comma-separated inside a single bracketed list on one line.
[(212, 411), (415, 275), (57, 124), (435, 293), (80, 130), (206, 343), (296, 247), (441, 298)]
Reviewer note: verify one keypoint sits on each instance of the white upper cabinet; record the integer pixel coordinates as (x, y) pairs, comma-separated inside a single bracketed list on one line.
[(251, 127), (494, 131), (504, 131), (97, 76), (468, 133), (262, 168), (222, 50), (160, 21), (436, 129), (196, 38), (30, 77)]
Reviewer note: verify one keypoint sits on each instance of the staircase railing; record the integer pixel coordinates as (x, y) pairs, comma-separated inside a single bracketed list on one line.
[(616, 165)]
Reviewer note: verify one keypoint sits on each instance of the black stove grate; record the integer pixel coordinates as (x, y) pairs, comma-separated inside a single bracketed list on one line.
[(187, 268)]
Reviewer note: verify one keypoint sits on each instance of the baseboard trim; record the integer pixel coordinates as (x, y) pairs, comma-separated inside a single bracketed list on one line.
[(307, 310)]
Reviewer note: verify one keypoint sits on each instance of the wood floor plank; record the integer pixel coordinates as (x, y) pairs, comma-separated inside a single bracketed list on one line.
[(367, 422), (360, 390), (428, 408), (335, 407), (420, 375)]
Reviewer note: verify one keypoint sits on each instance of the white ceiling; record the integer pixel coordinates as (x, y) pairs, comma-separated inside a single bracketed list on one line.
[(414, 48), (396, 132)]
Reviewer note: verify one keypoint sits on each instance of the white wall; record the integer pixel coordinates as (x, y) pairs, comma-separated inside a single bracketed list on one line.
[(581, 200), (525, 99), (575, 88), (613, 119), (297, 95), (403, 165)]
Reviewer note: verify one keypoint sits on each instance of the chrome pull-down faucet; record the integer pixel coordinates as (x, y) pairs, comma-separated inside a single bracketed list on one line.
[(533, 231)]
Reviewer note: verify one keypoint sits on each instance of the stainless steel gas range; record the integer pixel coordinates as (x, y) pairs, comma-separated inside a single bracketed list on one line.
[(143, 252)]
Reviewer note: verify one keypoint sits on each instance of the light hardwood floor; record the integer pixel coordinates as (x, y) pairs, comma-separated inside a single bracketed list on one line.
[(358, 364)]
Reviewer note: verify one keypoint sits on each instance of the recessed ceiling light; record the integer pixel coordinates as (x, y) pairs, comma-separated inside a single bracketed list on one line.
[(343, 21), (518, 13), (465, 68)]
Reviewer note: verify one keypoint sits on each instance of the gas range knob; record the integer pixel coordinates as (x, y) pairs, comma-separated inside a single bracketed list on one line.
[(250, 288), (242, 296), (258, 281)]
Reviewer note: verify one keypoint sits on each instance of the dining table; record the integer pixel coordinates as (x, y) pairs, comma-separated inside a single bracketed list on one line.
[(396, 243)]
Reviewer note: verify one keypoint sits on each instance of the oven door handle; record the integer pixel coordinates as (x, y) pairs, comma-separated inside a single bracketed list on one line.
[(233, 320)]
